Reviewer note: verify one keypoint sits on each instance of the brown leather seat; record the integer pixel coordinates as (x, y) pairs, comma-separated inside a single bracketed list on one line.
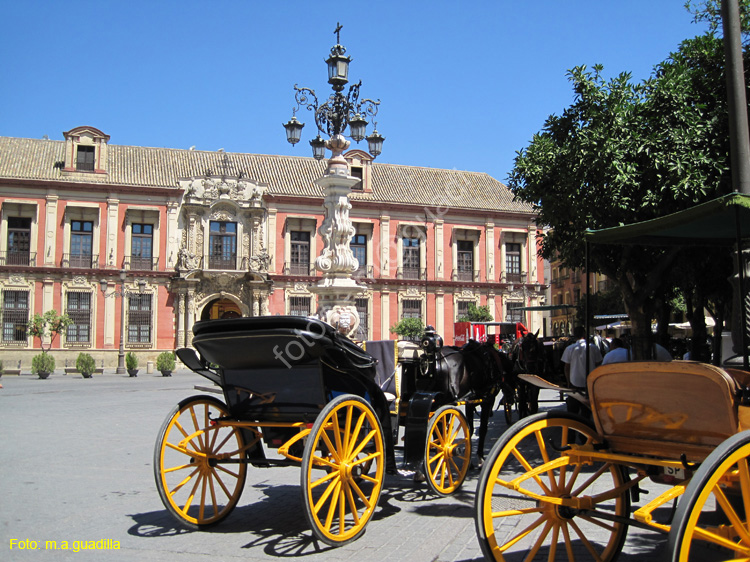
[(664, 409)]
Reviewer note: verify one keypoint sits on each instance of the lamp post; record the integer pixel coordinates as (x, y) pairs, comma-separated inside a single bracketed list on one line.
[(103, 286), (337, 289)]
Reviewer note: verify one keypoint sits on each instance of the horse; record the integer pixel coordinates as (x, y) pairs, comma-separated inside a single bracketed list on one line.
[(472, 372), (529, 356)]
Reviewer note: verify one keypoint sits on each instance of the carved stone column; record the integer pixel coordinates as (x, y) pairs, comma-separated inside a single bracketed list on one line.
[(181, 320), (190, 317), (255, 299), (264, 303)]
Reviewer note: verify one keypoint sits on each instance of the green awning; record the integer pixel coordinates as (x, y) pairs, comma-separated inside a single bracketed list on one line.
[(712, 223)]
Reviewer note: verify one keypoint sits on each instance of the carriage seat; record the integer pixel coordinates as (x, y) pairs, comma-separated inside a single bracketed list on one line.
[(665, 409)]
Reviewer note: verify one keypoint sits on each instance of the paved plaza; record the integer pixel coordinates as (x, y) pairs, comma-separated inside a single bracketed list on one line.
[(76, 463)]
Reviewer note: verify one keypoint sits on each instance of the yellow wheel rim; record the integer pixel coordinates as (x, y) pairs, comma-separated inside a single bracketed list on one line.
[(343, 470), (448, 451), (193, 485), (535, 513), (717, 524)]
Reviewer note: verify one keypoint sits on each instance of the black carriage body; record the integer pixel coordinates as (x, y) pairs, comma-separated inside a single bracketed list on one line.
[(285, 369)]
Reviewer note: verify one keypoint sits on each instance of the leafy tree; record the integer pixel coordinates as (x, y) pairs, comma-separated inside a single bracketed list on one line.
[(709, 11), (50, 324), (477, 314), (408, 328), (626, 152)]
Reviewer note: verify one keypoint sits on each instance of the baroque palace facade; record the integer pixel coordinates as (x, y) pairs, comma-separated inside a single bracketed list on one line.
[(190, 235)]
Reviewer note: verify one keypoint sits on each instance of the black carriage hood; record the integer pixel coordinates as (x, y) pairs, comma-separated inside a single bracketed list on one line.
[(276, 341)]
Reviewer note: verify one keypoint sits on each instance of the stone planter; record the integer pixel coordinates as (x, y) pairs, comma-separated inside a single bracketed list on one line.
[(133, 372), (166, 373), (87, 375), (43, 374)]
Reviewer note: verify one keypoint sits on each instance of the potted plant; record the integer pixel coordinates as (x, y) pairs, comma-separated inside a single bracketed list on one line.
[(85, 365), (42, 326), (42, 365), (165, 363), (131, 362)]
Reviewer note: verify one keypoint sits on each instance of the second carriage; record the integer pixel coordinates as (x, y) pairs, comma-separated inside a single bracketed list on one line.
[(297, 393)]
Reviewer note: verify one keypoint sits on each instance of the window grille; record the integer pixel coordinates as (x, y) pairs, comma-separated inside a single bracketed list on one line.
[(141, 246), (79, 311), (299, 306), (15, 316), (139, 319), (299, 252), (19, 237), (361, 305), (411, 309), (513, 314)]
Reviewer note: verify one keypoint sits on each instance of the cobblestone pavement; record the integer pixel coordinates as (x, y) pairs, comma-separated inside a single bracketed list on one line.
[(76, 461)]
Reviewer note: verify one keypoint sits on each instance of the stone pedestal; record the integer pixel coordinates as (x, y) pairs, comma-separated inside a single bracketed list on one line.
[(337, 289)]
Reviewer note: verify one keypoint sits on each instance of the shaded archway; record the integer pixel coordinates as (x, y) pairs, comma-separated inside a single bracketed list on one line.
[(221, 308)]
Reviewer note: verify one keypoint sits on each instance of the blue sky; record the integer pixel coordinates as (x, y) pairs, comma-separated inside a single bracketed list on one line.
[(462, 84)]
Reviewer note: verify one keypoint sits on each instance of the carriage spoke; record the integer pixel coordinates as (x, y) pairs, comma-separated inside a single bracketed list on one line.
[(202, 446), (181, 484), (523, 534), (352, 505), (737, 524), (582, 536), (602, 469), (221, 483), (568, 542), (545, 457), (332, 505), (333, 485), (327, 478), (363, 443), (362, 496), (539, 542), (553, 544), (527, 467)]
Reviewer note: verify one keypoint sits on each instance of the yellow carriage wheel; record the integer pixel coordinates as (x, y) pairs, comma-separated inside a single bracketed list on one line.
[(195, 488), (448, 451), (711, 521), (566, 512), (342, 470)]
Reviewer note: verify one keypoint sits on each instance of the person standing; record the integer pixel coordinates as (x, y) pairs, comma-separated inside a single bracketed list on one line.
[(574, 359)]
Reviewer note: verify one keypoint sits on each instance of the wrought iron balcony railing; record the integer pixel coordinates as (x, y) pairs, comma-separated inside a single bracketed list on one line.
[(87, 261), (465, 275), (306, 269), (411, 273), (138, 263), (514, 277), (221, 262), (18, 258)]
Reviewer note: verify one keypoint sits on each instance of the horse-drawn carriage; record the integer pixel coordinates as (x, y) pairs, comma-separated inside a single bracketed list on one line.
[(559, 487), (295, 385)]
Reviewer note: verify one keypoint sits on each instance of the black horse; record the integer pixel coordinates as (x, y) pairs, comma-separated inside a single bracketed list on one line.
[(473, 372), (529, 357)]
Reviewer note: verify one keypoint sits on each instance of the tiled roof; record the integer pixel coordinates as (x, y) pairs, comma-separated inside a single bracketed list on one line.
[(284, 175)]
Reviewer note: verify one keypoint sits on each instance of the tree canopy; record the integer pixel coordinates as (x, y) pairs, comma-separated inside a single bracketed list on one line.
[(626, 152)]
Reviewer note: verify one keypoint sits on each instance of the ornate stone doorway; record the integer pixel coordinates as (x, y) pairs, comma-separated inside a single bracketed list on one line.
[(221, 308)]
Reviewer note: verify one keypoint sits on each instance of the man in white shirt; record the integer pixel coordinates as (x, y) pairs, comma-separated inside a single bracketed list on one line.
[(574, 358)]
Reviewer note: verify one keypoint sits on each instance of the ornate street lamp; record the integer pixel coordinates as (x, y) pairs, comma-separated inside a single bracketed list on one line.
[(337, 112), (337, 288), (114, 294)]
